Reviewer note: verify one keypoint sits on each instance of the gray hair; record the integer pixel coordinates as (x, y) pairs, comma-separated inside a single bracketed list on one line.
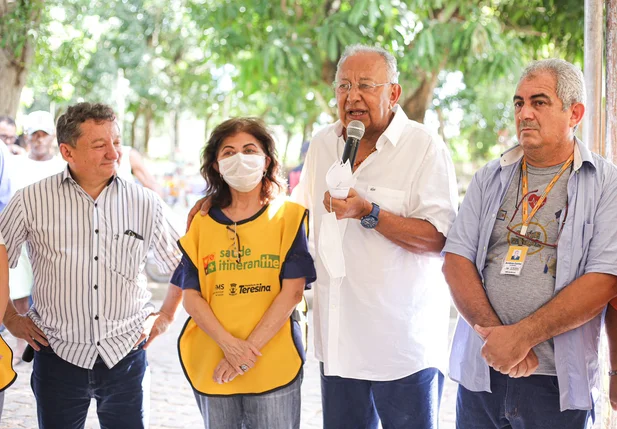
[(68, 128), (358, 48), (570, 82)]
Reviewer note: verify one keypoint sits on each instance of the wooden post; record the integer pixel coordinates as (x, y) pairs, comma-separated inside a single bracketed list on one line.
[(611, 80), (608, 417), (592, 122)]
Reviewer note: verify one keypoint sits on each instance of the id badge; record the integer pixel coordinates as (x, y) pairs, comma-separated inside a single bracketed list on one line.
[(515, 259)]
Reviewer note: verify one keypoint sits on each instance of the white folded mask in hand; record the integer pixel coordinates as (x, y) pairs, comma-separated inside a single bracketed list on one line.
[(339, 179)]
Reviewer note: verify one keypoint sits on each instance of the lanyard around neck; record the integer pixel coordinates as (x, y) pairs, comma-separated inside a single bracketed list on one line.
[(526, 215)]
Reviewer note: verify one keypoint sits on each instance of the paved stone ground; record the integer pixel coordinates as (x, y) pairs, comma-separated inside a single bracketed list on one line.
[(172, 401)]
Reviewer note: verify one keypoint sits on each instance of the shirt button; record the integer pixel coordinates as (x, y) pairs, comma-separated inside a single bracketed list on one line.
[(96, 317), (98, 343), (96, 258), (96, 205), (96, 286), (96, 231)]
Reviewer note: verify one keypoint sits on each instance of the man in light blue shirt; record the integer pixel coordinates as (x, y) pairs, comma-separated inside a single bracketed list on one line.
[(525, 350), (5, 183)]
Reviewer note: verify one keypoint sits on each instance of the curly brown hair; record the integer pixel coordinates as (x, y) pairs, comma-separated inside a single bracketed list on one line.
[(217, 189)]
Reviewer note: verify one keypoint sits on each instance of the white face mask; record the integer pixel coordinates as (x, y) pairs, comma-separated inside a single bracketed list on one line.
[(243, 172)]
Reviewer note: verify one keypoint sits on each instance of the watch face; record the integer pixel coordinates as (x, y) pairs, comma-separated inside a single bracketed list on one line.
[(369, 221)]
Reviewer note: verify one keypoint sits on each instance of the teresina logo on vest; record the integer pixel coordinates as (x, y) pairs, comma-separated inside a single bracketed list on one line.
[(234, 288)]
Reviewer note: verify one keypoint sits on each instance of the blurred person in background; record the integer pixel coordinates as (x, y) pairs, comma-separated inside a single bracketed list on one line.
[(133, 168), (294, 174), (8, 134)]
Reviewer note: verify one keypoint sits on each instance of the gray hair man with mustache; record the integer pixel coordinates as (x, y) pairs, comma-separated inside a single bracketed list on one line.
[(530, 262)]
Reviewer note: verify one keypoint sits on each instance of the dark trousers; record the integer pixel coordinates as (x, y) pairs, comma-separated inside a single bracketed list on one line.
[(63, 391), (411, 402), (517, 403)]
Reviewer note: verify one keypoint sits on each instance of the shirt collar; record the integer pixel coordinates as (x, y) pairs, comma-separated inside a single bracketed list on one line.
[(392, 133), (581, 154), (66, 176)]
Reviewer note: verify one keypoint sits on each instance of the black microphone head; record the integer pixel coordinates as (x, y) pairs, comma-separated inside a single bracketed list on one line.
[(355, 129)]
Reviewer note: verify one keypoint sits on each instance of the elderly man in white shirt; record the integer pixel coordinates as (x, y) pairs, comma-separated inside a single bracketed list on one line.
[(381, 333)]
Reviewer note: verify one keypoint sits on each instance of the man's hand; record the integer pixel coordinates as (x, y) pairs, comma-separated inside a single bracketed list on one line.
[(224, 372), (352, 207), (154, 325), (504, 347), (201, 206), (241, 354), (21, 326), (527, 366)]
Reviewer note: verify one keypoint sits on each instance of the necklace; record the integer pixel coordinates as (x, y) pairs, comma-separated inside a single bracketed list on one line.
[(357, 163)]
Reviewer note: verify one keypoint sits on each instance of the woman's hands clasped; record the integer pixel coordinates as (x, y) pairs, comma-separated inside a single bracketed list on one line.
[(240, 356)]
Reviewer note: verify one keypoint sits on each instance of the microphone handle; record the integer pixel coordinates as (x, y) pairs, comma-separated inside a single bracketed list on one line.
[(354, 152), (347, 150)]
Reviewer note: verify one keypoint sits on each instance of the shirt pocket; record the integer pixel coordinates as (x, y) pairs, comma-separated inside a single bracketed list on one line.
[(128, 255), (392, 200)]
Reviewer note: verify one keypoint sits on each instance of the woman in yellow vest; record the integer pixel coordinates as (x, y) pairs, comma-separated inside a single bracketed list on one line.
[(7, 374), (245, 267)]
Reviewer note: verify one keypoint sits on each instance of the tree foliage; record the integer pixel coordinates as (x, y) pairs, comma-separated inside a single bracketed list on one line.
[(277, 59)]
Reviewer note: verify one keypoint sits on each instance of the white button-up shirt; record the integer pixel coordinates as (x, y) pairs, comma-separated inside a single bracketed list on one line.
[(389, 317), (88, 257)]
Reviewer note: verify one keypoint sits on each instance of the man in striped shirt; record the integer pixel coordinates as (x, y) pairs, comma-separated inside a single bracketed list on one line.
[(88, 233)]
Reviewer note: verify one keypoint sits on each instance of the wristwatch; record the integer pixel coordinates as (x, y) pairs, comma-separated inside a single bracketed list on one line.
[(370, 220), (612, 373)]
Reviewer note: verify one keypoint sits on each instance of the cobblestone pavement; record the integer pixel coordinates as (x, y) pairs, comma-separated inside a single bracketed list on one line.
[(172, 401)]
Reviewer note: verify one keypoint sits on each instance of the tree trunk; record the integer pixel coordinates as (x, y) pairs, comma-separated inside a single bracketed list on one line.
[(284, 158), (442, 124), (415, 105), (14, 63), (134, 128), (307, 131), (176, 130), (147, 129), (13, 74)]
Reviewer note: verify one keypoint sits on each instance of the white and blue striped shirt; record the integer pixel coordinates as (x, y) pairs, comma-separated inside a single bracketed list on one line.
[(88, 256)]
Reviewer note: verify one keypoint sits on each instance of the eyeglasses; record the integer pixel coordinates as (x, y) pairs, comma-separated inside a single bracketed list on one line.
[(235, 238), (365, 87), (533, 236), (8, 139)]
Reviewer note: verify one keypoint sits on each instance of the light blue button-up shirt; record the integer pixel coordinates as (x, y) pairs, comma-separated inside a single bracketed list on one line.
[(588, 244), (6, 191)]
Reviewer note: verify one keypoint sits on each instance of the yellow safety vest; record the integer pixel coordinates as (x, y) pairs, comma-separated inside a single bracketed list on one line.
[(239, 295), (7, 374)]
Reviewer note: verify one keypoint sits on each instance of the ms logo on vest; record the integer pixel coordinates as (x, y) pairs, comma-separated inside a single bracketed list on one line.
[(219, 289), (232, 289)]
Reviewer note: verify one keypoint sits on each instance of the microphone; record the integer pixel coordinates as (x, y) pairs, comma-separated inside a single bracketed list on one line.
[(355, 131)]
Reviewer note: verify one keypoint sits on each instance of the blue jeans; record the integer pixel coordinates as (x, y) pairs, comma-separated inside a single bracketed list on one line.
[(276, 410), (63, 391), (517, 403), (411, 402)]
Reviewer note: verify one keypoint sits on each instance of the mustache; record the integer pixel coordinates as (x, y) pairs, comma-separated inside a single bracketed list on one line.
[(528, 124)]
